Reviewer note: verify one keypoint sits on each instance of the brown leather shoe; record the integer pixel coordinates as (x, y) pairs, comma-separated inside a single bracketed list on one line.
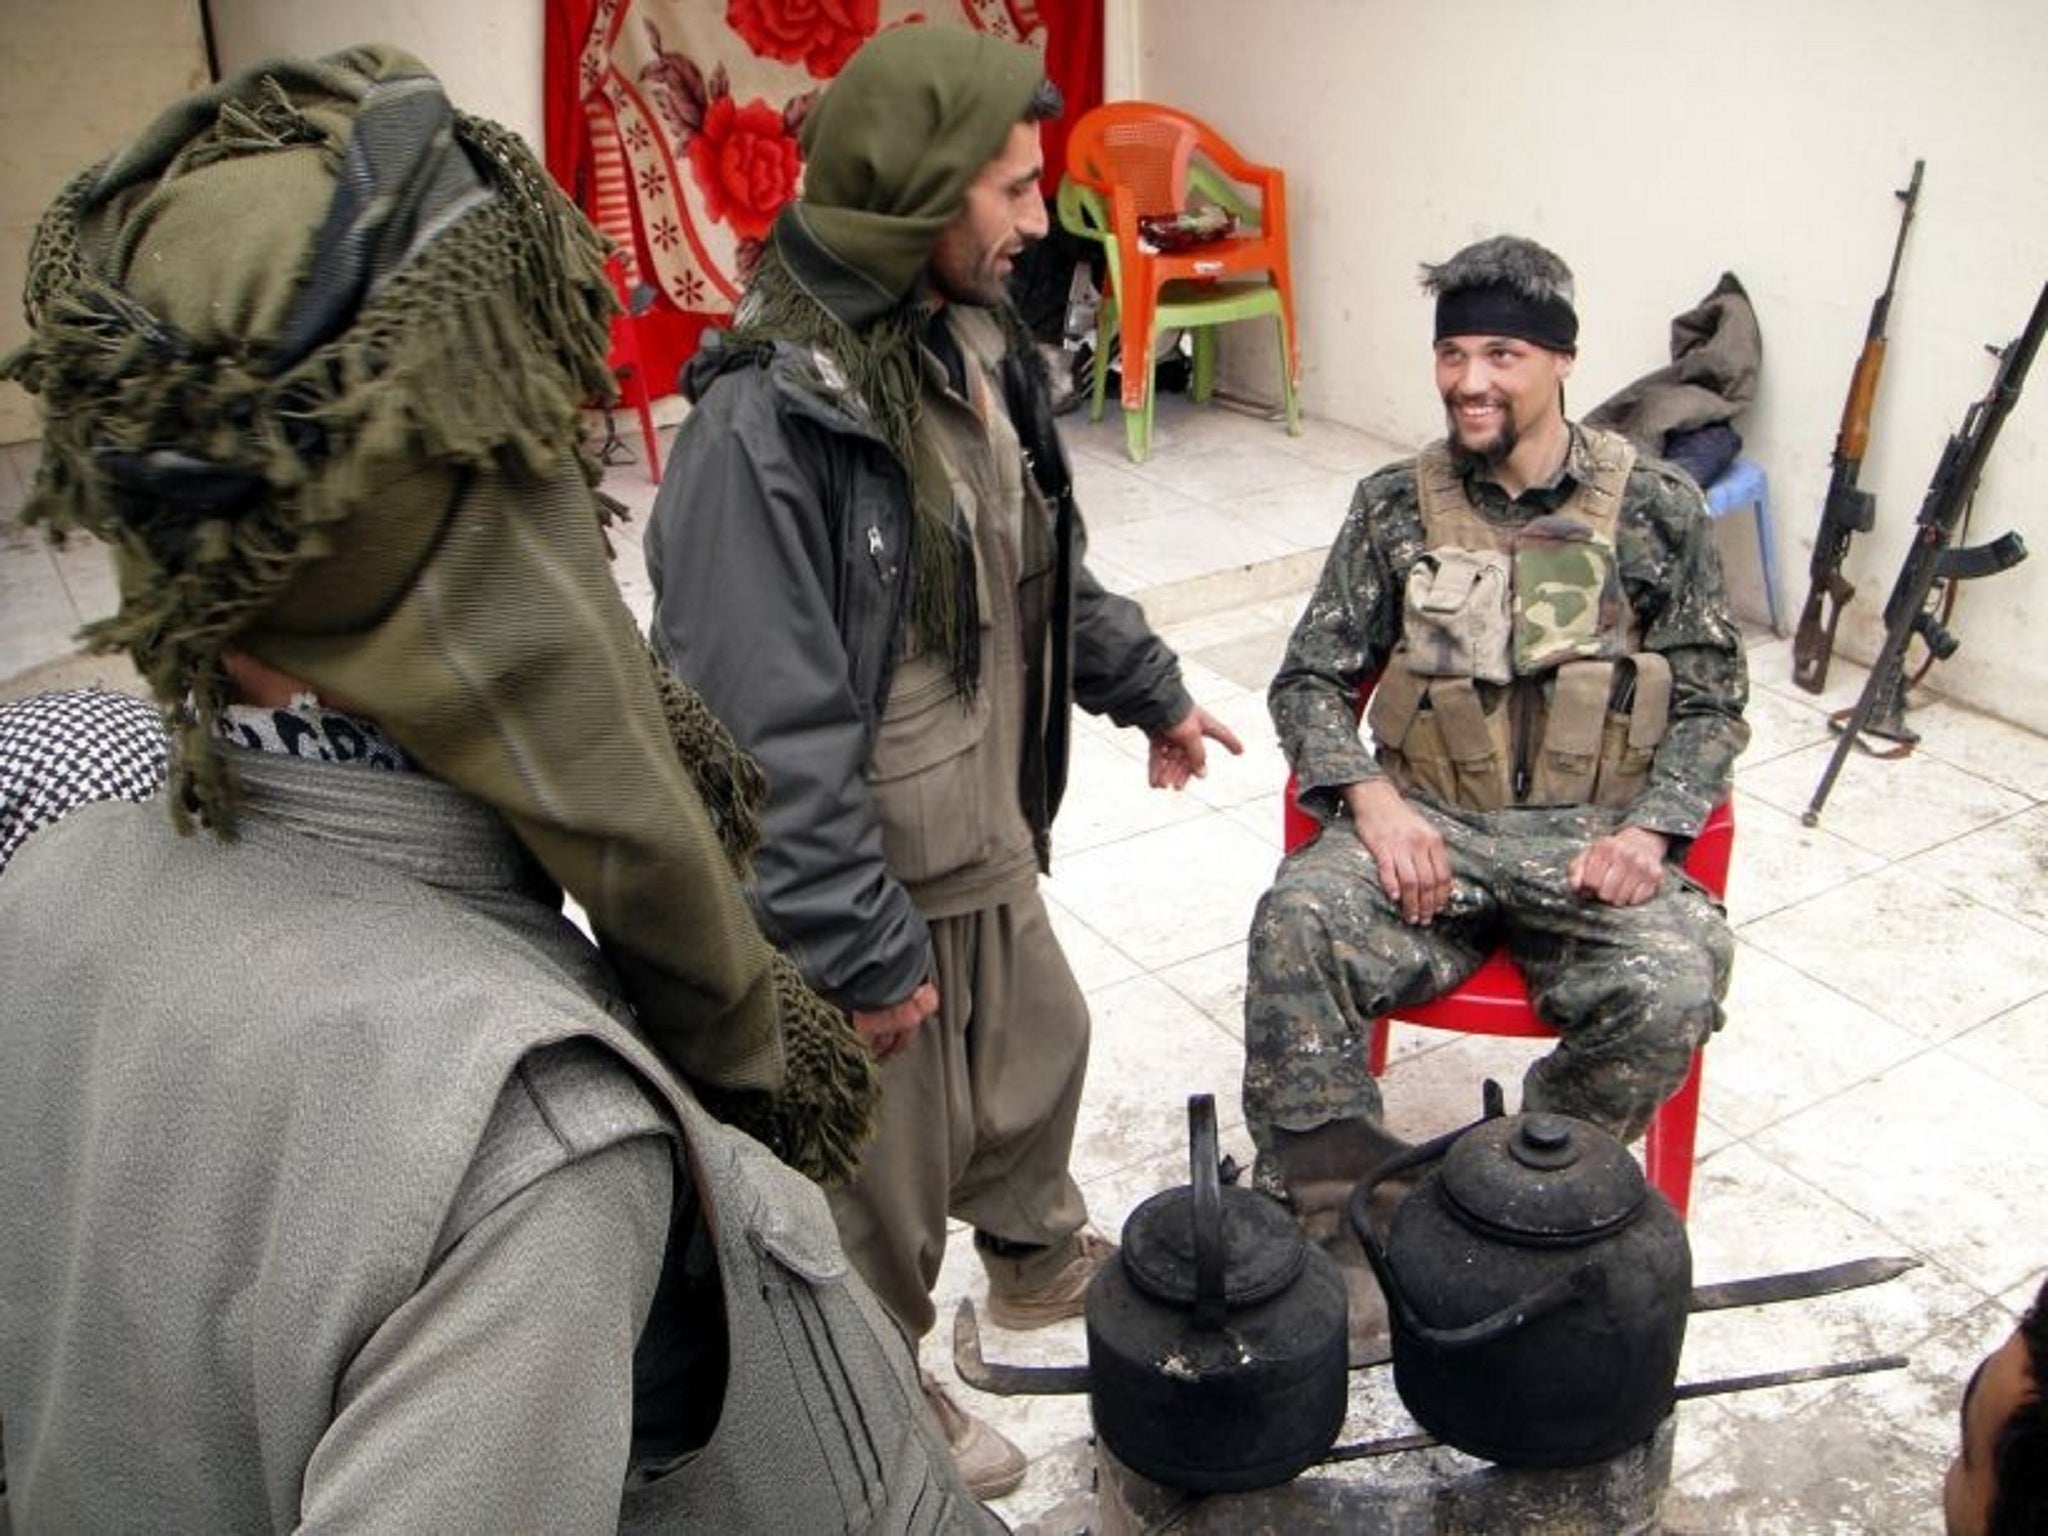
[(1045, 1286), (1321, 1168), (990, 1465), (1337, 1152)]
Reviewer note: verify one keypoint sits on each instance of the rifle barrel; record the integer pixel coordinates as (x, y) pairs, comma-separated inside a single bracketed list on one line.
[(1910, 196)]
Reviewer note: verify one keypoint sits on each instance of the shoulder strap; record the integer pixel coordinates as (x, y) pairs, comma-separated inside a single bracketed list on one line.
[(1597, 501), (1395, 701), (1651, 711), (1449, 520)]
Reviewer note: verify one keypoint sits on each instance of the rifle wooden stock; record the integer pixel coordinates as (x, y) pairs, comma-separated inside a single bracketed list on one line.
[(1847, 509), (1933, 557), (1854, 434)]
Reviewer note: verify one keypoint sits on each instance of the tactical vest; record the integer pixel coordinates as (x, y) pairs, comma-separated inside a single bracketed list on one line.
[(1518, 679)]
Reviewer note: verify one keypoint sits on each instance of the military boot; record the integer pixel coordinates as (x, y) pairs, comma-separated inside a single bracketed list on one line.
[(1034, 1287), (1320, 1169)]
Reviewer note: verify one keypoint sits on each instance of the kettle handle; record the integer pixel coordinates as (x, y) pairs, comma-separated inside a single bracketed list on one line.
[(1588, 1283), (1206, 1211), (1359, 1207)]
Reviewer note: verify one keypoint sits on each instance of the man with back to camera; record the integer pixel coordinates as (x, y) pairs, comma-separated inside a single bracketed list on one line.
[(343, 1183), (1998, 1483), (864, 555), (1558, 707)]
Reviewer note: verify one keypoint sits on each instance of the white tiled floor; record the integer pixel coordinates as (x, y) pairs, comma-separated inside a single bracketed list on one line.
[(1882, 1086)]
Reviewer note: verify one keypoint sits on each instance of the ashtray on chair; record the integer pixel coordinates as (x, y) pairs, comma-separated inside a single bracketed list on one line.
[(1178, 231)]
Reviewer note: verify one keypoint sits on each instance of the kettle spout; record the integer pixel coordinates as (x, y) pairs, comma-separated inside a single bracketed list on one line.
[(1004, 1380)]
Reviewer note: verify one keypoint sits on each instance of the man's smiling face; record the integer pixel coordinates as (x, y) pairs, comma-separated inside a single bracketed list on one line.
[(1003, 214), (1499, 390)]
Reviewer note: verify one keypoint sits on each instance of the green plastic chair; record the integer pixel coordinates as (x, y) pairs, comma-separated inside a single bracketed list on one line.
[(1132, 159)]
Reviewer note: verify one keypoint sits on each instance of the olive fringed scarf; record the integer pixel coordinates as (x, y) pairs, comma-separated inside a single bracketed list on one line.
[(311, 353), (883, 365)]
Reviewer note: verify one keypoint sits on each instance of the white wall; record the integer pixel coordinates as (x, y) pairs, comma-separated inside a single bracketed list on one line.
[(1655, 145), (78, 78), (487, 52)]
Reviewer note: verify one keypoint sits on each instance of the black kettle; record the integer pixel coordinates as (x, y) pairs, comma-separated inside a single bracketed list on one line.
[(1216, 1341), (1537, 1286)]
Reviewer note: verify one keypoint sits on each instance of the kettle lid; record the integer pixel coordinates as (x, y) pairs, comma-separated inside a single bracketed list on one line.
[(1263, 1249), (1547, 1178)]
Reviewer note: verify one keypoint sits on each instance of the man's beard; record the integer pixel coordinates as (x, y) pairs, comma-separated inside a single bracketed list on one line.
[(972, 285), (1492, 455)]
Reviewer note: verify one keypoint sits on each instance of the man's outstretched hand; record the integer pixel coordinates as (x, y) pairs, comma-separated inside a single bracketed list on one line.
[(1180, 752)]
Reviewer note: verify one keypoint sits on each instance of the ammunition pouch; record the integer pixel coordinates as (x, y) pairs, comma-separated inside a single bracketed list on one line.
[(1455, 618), (1567, 596), (1594, 725)]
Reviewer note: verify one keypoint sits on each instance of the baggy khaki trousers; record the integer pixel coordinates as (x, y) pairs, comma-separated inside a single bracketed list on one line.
[(978, 1112)]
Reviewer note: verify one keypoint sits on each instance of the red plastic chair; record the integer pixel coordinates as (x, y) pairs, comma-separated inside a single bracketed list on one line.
[(625, 363), (1494, 1001)]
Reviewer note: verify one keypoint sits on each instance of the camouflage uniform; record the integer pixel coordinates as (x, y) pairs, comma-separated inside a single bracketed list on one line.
[(1632, 990)]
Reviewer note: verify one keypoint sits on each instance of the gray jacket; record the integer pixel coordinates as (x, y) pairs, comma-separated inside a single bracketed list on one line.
[(777, 551), (305, 1140)]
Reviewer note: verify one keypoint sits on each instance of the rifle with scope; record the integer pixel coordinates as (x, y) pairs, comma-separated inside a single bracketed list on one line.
[(1847, 509), (1934, 559)]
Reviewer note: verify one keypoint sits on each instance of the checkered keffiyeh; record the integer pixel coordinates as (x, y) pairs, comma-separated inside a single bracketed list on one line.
[(61, 750)]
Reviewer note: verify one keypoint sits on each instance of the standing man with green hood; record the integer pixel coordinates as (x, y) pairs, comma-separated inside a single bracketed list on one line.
[(866, 555)]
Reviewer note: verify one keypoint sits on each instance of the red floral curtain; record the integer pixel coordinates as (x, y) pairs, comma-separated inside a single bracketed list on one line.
[(673, 123)]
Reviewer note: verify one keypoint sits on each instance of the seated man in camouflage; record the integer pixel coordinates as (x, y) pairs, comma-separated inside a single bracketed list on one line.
[(1557, 708)]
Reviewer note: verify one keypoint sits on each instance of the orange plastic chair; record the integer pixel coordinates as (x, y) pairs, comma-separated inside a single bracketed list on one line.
[(624, 361), (1128, 160), (1493, 1000)]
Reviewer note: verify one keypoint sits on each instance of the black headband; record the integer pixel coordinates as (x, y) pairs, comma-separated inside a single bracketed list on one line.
[(1497, 310)]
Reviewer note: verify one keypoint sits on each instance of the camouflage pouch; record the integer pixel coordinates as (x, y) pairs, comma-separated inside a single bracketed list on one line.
[(1455, 620), (1567, 597)]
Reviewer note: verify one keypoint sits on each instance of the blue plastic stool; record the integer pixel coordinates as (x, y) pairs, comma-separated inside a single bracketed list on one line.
[(1744, 484)]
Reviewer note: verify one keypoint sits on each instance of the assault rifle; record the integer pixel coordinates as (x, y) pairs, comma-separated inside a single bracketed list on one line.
[(1931, 559), (1847, 509)]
